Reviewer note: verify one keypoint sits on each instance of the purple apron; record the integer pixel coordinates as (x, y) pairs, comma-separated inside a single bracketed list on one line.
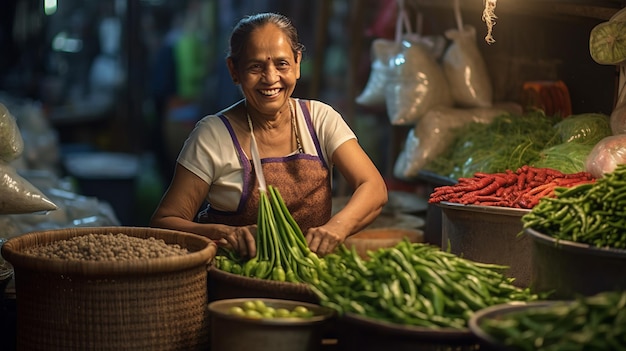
[(303, 182)]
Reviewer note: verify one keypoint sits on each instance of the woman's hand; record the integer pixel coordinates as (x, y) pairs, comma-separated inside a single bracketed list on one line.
[(323, 240), (239, 239)]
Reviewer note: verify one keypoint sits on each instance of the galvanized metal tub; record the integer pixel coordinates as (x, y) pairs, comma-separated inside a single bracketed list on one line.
[(488, 234), (567, 269)]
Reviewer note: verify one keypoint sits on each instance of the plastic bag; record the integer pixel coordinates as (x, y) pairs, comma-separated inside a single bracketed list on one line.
[(416, 85), (11, 142), (17, 195), (606, 155), (466, 70), (433, 134), (41, 140), (374, 92), (383, 50)]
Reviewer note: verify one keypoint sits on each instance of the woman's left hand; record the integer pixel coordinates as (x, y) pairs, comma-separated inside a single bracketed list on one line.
[(323, 240)]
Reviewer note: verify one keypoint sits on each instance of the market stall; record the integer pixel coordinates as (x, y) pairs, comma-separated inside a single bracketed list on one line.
[(511, 230)]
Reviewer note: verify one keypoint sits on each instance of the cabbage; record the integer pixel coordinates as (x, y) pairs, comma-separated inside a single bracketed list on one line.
[(586, 128)]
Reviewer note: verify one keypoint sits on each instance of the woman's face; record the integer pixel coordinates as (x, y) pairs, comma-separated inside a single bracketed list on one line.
[(267, 70)]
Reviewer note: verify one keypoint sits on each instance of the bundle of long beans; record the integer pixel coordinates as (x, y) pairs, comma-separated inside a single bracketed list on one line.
[(282, 250)]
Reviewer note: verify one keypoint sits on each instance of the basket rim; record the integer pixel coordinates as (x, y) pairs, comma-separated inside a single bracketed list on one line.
[(204, 250), (401, 330), (243, 281), (500, 310)]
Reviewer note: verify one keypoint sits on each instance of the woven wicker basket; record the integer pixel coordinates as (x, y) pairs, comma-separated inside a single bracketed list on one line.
[(224, 285), (155, 304)]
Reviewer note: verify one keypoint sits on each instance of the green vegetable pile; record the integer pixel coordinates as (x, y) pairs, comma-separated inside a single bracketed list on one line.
[(586, 128), (589, 323), (592, 213), (413, 284), (282, 250), (511, 141), (508, 142), (578, 134)]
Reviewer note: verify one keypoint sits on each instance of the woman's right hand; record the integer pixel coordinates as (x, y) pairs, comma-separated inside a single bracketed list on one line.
[(239, 239)]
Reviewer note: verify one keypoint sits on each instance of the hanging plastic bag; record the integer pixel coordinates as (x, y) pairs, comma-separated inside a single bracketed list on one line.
[(416, 82), (464, 66), (466, 71), (434, 133), (11, 142), (384, 50), (374, 92), (416, 85)]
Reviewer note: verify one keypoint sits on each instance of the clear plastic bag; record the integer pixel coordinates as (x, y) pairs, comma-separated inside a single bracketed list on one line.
[(606, 155), (433, 134), (11, 142), (383, 51), (416, 85), (374, 92), (466, 70), (17, 195)]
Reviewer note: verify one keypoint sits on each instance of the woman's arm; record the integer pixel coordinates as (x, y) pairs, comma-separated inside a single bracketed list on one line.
[(365, 204), (180, 204)]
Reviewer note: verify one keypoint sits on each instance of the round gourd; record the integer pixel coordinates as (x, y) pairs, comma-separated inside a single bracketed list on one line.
[(607, 42)]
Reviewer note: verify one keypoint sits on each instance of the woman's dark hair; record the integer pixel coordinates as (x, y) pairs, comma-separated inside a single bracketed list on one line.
[(246, 25)]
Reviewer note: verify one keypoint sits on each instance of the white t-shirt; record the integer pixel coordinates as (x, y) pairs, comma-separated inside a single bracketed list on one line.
[(209, 151)]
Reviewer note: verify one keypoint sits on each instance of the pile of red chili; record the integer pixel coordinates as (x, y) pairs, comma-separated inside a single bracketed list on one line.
[(520, 189)]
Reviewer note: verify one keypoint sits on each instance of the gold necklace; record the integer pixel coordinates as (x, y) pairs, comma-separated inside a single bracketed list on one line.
[(295, 129)]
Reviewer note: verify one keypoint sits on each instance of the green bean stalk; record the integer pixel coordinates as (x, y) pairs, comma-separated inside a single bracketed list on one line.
[(595, 322), (282, 251), (592, 213), (413, 284)]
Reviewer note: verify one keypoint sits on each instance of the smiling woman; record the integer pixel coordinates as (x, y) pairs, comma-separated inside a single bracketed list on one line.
[(298, 143)]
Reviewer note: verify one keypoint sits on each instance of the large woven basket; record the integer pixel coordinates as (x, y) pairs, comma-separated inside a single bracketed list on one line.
[(154, 304)]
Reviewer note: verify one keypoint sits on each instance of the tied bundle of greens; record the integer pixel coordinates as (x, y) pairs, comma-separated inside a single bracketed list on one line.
[(282, 251)]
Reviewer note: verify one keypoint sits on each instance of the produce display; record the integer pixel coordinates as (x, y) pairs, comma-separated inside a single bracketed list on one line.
[(520, 189), (589, 323), (106, 247), (413, 284), (258, 309), (512, 141), (282, 251), (508, 142), (591, 213)]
